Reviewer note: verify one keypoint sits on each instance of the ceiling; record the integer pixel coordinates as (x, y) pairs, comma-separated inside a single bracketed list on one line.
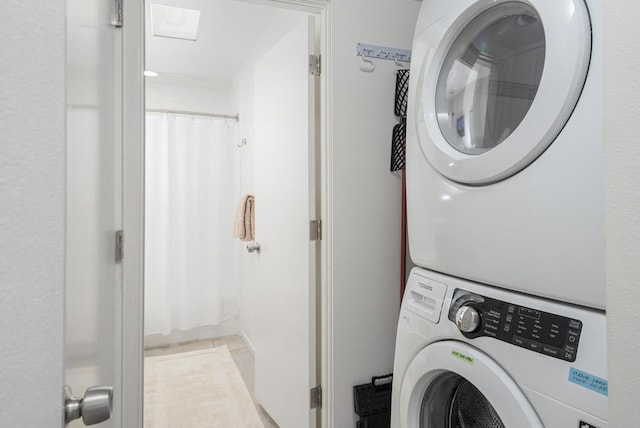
[(230, 33)]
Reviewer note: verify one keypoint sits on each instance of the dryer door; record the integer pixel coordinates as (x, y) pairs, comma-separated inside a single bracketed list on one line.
[(450, 384), (498, 82)]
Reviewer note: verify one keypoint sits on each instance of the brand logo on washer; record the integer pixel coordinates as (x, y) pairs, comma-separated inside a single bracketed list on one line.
[(584, 424), (425, 286)]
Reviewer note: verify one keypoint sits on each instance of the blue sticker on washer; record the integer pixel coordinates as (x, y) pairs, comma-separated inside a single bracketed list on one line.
[(589, 381)]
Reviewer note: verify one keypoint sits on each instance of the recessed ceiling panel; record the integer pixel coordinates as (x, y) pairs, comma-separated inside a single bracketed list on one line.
[(175, 22), (232, 34)]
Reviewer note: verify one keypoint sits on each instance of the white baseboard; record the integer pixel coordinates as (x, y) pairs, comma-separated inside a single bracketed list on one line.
[(247, 342), (227, 328)]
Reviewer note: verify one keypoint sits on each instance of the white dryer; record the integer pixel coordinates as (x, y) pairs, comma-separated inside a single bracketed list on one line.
[(504, 145), (469, 355)]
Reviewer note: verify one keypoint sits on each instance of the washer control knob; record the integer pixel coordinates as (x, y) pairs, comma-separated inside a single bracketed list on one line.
[(467, 319)]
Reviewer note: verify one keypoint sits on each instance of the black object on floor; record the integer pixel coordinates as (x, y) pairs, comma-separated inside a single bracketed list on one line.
[(372, 402)]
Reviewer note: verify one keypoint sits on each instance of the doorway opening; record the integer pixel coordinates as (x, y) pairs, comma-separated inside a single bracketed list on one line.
[(230, 293)]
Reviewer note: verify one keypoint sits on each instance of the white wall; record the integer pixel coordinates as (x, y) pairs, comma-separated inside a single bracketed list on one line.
[(366, 196), (622, 158), (32, 189), (177, 94)]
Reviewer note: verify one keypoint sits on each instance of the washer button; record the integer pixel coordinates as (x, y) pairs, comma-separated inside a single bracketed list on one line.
[(517, 340), (575, 324), (535, 346), (550, 350)]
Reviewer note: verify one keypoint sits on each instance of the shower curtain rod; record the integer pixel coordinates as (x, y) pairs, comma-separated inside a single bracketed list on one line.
[(196, 113)]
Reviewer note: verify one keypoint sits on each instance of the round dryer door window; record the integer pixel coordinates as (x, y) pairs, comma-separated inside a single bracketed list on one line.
[(502, 82), (490, 77)]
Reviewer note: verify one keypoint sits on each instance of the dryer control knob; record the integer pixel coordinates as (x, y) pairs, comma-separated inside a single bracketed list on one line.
[(467, 319)]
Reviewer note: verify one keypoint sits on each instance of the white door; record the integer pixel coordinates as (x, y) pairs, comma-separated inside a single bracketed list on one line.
[(285, 337), (93, 279)]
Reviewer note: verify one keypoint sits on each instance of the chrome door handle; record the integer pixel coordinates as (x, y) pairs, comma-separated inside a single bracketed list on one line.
[(94, 407), (255, 247)]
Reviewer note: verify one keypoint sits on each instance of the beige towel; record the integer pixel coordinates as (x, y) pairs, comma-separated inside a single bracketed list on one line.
[(244, 225)]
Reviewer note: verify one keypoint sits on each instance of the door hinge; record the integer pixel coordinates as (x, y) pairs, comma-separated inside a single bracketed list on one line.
[(315, 230), (316, 397), (314, 65), (116, 13), (119, 246)]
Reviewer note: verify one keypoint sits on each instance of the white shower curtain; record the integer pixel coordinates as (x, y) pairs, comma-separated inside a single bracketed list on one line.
[(192, 263)]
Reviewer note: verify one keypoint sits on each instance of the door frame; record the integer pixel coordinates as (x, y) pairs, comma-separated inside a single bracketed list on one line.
[(130, 399)]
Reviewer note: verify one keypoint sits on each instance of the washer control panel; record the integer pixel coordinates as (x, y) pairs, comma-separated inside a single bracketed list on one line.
[(542, 332)]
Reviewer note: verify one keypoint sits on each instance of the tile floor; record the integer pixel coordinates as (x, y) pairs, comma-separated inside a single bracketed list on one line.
[(242, 356)]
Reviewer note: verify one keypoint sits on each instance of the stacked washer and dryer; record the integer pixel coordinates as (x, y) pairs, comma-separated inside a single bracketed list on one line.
[(503, 322)]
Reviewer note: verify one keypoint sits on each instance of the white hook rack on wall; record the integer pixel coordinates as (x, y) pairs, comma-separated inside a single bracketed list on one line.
[(365, 50)]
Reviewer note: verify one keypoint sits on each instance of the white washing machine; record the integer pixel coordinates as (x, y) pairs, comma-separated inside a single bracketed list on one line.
[(504, 145), (473, 356)]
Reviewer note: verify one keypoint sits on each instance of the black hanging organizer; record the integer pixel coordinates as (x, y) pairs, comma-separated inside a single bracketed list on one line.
[(372, 402), (402, 93), (398, 142), (399, 135)]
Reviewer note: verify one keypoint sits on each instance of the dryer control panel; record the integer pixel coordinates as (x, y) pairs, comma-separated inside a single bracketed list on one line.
[(542, 332)]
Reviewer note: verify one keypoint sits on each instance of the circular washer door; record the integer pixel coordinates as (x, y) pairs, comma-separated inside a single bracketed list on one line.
[(450, 384), (499, 82)]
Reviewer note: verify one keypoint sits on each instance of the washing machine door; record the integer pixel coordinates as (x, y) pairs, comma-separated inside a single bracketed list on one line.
[(496, 83), (450, 384)]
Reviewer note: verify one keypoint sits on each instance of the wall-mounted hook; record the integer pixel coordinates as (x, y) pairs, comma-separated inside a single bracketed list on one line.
[(242, 142), (367, 65), (381, 52), (396, 61)]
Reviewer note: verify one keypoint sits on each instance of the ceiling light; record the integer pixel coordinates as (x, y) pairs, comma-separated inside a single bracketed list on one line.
[(174, 22), (150, 73)]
